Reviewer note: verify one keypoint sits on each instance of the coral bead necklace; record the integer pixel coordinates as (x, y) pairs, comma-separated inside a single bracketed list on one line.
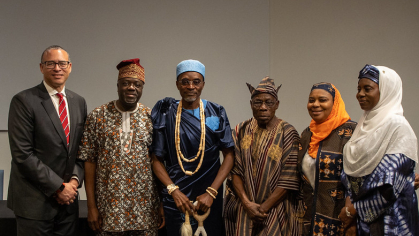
[(201, 149)]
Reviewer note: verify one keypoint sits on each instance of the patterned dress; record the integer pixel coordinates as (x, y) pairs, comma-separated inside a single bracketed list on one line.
[(321, 205), (385, 200), (126, 194), (265, 160)]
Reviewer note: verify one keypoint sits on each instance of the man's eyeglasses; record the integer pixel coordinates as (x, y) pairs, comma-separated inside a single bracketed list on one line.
[(268, 103), (61, 64), (136, 84), (186, 82)]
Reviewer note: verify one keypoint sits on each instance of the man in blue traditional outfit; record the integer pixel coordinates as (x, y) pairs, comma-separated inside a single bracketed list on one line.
[(188, 136)]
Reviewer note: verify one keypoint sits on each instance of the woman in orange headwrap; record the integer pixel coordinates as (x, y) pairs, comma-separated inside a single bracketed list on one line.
[(320, 161)]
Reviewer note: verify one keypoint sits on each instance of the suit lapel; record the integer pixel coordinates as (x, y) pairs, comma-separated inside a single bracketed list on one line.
[(52, 113)]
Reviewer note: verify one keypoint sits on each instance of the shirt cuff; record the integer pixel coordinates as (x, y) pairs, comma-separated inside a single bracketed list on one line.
[(76, 178)]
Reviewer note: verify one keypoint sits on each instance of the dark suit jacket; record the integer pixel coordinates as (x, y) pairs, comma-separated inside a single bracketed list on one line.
[(41, 161)]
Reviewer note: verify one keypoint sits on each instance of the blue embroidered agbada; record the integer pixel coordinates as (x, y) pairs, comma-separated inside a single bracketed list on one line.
[(218, 136)]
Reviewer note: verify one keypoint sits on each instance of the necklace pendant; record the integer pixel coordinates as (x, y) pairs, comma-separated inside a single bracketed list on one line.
[(188, 173)]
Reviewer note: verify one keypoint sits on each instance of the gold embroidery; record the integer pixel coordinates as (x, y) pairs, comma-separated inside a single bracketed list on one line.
[(131, 70), (356, 183), (246, 141), (369, 216), (275, 152)]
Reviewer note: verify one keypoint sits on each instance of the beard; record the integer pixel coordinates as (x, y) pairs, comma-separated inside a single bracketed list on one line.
[(130, 100), (189, 99)]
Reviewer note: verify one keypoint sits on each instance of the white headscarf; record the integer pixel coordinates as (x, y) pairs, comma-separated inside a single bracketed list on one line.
[(382, 130)]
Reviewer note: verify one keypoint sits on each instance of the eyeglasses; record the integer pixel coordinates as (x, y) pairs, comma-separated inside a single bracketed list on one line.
[(61, 64), (268, 103), (136, 84), (186, 82)]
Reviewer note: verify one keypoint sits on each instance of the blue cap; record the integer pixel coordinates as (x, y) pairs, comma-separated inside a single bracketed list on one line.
[(190, 65)]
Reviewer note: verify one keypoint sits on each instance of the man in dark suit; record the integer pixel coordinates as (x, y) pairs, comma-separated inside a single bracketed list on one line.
[(45, 128)]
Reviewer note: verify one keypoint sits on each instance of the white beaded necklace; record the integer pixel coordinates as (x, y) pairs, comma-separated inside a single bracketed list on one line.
[(201, 149)]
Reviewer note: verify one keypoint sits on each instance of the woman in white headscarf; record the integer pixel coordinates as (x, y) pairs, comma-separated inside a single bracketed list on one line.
[(379, 160)]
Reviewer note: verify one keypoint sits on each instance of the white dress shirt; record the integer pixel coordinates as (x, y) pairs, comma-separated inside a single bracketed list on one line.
[(56, 100)]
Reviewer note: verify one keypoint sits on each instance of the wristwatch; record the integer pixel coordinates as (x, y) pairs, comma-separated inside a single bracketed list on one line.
[(61, 188)]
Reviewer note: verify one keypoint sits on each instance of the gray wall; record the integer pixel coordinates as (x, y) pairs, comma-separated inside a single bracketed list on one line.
[(230, 37), (331, 41), (296, 42)]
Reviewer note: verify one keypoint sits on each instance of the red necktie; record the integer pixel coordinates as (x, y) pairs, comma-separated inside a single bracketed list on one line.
[(64, 117)]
